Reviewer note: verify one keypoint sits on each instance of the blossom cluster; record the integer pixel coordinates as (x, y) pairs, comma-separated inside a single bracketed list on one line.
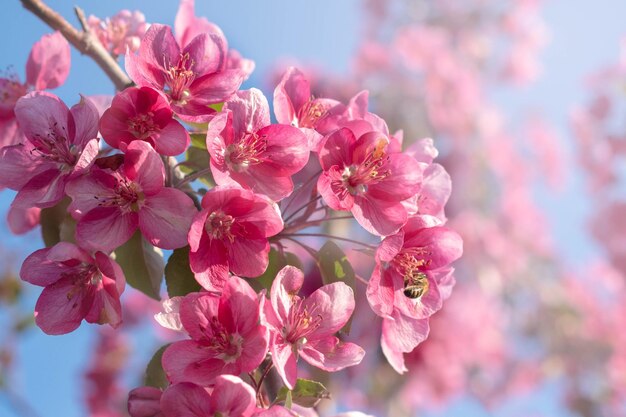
[(117, 184)]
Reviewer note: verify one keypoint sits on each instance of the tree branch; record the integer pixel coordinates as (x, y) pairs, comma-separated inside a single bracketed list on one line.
[(85, 41)]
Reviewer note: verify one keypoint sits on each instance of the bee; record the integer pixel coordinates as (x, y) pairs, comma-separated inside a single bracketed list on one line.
[(415, 284)]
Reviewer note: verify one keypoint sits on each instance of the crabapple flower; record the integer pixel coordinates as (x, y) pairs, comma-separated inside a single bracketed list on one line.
[(192, 78), (143, 114), (409, 283), (47, 67), (120, 32), (360, 176), (247, 150), (110, 205), (412, 269), (226, 335), (230, 396), (305, 327), (294, 105), (187, 26), (77, 286), (230, 233), (61, 145)]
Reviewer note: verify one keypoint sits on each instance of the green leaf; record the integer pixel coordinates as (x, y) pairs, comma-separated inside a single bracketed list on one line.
[(198, 140), (217, 106), (335, 267), (196, 160), (142, 264), (305, 393), (277, 261), (57, 224), (179, 278), (155, 375)]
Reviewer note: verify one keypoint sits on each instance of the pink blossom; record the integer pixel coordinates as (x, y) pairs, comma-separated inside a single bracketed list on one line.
[(192, 78), (230, 396), (226, 335), (247, 150), (120, 32), (294, 105), (77, 286), (110, 205), (187, 26), (306, 326), (143, 114), (61, 145), (47, 67), (412, 266), (361, 176), (230, 233)]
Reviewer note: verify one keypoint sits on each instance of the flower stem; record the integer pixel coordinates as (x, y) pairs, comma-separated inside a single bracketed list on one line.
[(302, 207), (291, 235), (192, 177)]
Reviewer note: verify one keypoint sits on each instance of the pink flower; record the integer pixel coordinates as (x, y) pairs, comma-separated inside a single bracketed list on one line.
[(187, 26), (110, 205), (294, 105), (230, 233), (226, 335), (47, 67), (247, 150), (61, 145), (191, 78), (143, 114), (77, 286), (230, 397), (362, 177), (306, 326), (412, 271), (122, 31)]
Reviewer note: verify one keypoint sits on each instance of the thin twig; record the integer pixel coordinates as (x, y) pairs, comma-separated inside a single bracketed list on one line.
[(291, 235), (85, 41)]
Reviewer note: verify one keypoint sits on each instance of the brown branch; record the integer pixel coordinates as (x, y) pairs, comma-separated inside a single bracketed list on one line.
[(85, 41)]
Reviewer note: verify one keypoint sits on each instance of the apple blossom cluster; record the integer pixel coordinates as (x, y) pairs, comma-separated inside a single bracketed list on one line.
[(184, 160)]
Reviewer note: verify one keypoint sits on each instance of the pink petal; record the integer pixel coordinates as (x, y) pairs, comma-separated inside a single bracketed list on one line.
[(251, 111), (17, 166), (285, 363), (248, 258), (186, 400), (172, 140), (40, 114), (286, 285), (166, 217), (290, 95), (379, 217), (232, 397), (335, 303), (105, 228), (337, 149), (145, 402), (210, 264), (48, 64), (190, 361), (380, 292), (196, 311), (61, 306), (86, 118), (330, 354), (106, 307), (45, 189), (22, 220), (144, 166)]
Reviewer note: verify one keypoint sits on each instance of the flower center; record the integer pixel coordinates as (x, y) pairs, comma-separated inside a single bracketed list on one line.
[(178, 78), (82, 275), (410, 263), (310, 113), (300, 322), (11, 90), (218, 225), (245, 152), (225, 345), (142, 125), (127, 196), (55, 146), (355, 179)]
